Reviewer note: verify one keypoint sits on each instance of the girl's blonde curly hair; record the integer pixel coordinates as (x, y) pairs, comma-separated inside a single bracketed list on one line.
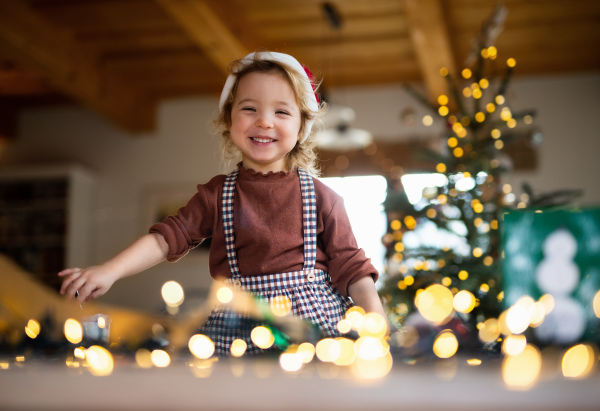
[(304, 154)]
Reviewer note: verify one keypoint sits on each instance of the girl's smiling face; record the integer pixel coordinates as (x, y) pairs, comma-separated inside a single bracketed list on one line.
[(265, 121)]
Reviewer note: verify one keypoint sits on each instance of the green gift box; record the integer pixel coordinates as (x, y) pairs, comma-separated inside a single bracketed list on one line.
[(555, 252)]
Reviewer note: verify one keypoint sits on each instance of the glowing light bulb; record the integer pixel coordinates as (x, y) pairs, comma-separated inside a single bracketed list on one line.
[(172, 293), (224, 294), (464, 301), (73, 331), (435, 303), (32, 329), (514, 344), (466, 73), (442, 100), (489, 331), (440, 168), (445, 344), (262, 337), (100, 360), (160, 358)]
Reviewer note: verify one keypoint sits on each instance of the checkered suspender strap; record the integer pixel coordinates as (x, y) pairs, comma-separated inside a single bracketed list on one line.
[(228, 196), (309, 220)]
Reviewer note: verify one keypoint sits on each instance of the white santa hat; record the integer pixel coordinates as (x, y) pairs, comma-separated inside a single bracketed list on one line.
[(289, 61)]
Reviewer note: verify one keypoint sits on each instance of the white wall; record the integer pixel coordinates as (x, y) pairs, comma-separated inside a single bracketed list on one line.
[(182, 153)]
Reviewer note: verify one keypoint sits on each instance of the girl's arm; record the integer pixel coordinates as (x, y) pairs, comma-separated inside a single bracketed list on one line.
[(364, 294), (93, 282)]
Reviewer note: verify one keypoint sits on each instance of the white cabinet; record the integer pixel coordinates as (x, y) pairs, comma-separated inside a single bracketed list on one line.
[(46, 217)]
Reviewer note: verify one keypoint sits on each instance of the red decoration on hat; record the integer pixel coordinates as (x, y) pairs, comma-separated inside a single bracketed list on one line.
[(310, 77)]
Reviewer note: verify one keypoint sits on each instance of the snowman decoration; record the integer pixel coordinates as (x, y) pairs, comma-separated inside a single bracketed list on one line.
[(558, 275)]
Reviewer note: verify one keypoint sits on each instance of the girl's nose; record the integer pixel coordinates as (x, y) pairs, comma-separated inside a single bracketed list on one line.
[(264, 121)]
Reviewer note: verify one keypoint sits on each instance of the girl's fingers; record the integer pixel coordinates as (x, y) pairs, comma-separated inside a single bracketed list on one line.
[(67, 282), (68, 271)]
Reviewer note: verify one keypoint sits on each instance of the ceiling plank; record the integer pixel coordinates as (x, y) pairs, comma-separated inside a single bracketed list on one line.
[(428, 31), (206, 29), (36, 45)]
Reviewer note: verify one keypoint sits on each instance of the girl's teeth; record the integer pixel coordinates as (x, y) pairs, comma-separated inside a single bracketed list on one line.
[(263, 140)]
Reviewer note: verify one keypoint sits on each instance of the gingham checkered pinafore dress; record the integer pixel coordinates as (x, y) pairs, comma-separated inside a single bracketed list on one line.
[(310, 291)]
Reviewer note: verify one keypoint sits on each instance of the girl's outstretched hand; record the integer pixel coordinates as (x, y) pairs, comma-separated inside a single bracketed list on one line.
[(90, 283)]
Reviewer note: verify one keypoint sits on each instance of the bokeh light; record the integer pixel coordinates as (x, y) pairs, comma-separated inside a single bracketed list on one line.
[(160, 358), (224, 295), (328, 350), (435, 303), (464, 301), (73, 331), (262, 337), (280, 305), (490, 330), (373, 325), (100, 360), (596, 304), (579, 361), (521, 371), (306, 351), (201, 346), (445, 344), (238, 347), (32, 329), (172, 293), (514, 344), (143, 358), (347, 354)]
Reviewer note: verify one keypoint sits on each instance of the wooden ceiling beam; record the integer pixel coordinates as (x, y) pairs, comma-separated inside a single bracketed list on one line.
[(207, 31), (21, 83), (36, 45), (427, 27)]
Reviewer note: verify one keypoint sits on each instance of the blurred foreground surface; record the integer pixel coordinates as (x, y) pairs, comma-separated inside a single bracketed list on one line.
[(260, 384)]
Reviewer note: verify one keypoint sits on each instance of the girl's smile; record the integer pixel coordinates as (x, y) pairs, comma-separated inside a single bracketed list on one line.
[(265, 121)]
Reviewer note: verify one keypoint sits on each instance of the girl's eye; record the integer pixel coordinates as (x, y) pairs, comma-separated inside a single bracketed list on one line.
[(283, 112), (248, 109)]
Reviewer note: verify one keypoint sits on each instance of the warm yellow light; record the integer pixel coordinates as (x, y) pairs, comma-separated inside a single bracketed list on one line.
[(466, 73), (172, 293), (32, 329), (490, 107), (399, 247), (224, 295), (528, 119), (499, 144), (452, 142), (514, 344), (374, 325), (280, 305), (522, 371), (579, 361), (410, 222), (467, 92), (537, 314), (462, 133), (445, 344), (506, 188), (478, 208), (511, 62), (328, 350), (262, 337), (409, 280), (443, 100), (307, 352), (238, 347), (440, 168), (458, 152), (500, 99), (477, 93), (290, 361), (79, 352), (489, 331), (100, 361), (463, 275), (160, 358), (143, 358), (495, 133), (596, 304), (347, 355), (201, 346), (442, 199), (484, 288), (372, 369), (494, 224), (505, 114), (401, 285), (488, 260), (474, 362), (492, 52), (479, 117), (443, 110), (464, 301), (344, 326), (73, 331), (446, 281), (355, 316), (435, 303), (518, 317), (427, 120), (431, 213), (396, 225), (370, 348), (443, 72), (484, 83), (477, 251)]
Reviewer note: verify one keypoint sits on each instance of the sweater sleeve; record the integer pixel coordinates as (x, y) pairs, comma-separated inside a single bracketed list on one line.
[(189, 227), (347, 262)]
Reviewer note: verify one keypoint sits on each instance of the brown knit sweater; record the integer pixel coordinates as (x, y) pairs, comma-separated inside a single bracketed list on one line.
[(268, 229)]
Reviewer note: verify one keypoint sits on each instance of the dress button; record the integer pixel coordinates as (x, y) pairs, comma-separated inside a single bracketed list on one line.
[(310, 277), (237, 284)]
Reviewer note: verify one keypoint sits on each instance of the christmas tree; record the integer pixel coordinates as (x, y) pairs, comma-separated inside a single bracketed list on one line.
[(443, 252)]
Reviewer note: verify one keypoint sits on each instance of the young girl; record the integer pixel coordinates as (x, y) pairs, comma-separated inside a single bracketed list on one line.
[(276, 231)]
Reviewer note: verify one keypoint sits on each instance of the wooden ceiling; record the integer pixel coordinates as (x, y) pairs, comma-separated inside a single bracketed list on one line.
[(122, 57)]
